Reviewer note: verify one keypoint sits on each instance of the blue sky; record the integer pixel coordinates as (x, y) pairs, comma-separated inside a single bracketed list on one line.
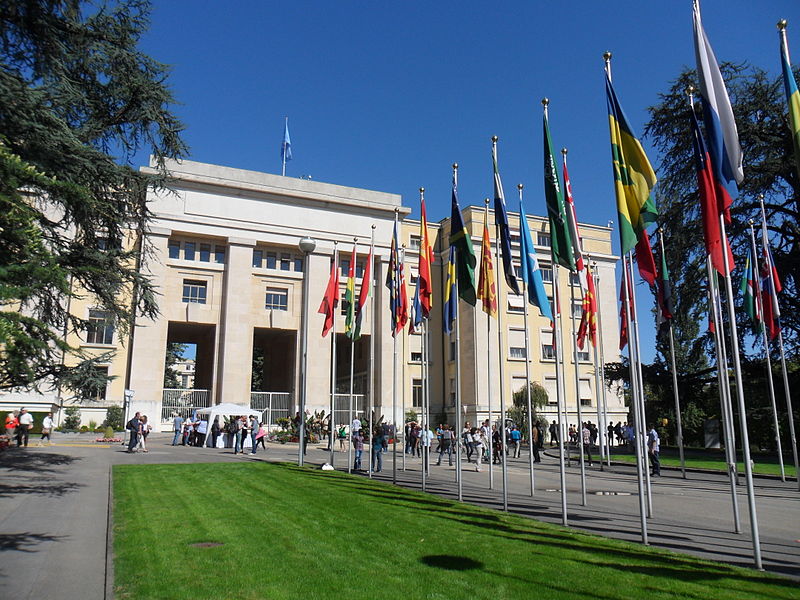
[(386, 96)]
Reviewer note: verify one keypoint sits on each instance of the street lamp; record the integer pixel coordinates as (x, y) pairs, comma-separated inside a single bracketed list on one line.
[(307, 246)]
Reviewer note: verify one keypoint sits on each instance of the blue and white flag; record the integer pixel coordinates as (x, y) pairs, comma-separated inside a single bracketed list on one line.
[(286, 145), (529, 268)]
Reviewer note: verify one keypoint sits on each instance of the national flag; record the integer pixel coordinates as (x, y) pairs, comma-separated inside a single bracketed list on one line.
[(723, 139), (363, 295), (450, 305), (487, 293), (664, 296), (529, 268), (501, 221), (331, 298), (572, 221), (770, 285), (424, 277), (645, 259), (625, 290), (405, 309), (415, 322), (588, 324), (398, 301), (750, 294), (560, 238), (634, 178), (349, 303), (286, 145), (712, 233), (792, 97), (465, 255)]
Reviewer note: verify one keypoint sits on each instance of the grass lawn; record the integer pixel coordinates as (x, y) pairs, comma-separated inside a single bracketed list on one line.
[(767, 466), (292, 533)]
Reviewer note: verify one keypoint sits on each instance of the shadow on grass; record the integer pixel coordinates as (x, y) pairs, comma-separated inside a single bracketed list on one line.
[(19, 460), (450, 562)]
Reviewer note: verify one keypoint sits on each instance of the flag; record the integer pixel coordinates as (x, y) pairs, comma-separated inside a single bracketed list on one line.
[(712, 233), (465, 255), (572, 222), (723, 139), (487, 293), (395, 281), (645, 260), (363, 296), (750, 294), (331, 298), (560, 238), (770, 285), (424, 278), (501, 221), (792, 98), (588, 324), (529, 268), (664, 296), (450, 306), (349, 303), (415, 322), (286, 145), (634, 178), (624, 290)]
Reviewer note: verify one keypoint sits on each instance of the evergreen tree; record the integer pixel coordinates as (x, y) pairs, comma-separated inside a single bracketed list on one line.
[(78, 100)]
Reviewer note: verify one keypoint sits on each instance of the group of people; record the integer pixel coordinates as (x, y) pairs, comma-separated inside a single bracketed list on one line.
[(20, 423), (194, 432), (138, 430)]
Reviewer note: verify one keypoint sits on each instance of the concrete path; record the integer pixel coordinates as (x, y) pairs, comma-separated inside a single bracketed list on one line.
[(54, 515)]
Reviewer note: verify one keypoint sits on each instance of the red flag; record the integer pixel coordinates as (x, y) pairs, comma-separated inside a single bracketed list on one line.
[(487, 292), (623, 310), (589, 313), (425, 262), (402, 316), (331, 298), (645, 260)]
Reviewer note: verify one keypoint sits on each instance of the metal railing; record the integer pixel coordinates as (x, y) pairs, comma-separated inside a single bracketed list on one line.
[(182, 402), (341, 408), (273, 406)]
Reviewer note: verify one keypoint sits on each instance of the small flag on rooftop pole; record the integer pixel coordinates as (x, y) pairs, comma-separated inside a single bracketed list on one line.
[(286, 147)]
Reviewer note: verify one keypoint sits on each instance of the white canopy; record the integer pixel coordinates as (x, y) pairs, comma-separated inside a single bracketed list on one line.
[(226, 409)]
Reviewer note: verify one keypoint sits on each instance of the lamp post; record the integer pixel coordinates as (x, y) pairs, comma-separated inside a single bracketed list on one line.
[(307, 246)]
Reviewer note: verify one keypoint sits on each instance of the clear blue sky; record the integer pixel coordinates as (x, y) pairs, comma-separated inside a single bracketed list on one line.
[(386, 96)]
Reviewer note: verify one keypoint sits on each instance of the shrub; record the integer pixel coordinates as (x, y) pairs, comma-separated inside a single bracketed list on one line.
[(84, 428), (109, 433), (92, 425), (72, 418), (115, 416)]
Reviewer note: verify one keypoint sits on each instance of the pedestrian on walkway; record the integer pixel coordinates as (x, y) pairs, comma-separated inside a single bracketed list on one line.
[(47, 427), (12, 422), (653, 450), (24, 427), (358, 448), (144, 431), (177, 428), (133, 432), (255, 427), (553, 433), (236, 427), (446, 445), (478, 442), (587, 441), (536, 442), (378, 439), (516, 440)]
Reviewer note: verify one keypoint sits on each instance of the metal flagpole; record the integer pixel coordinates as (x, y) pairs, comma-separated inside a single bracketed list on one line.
[(397, 289), (423, 431), (757, 299), (403, 379), (601, 387), (635, 402), (787, 393), (501, 369), (527, 373), (678, 424), (598, 382), (724, 390), (371, 373), (352, 372), (560, 398), (333, 364), (577, 392), (283, 154), (456, 437), (737, 371)]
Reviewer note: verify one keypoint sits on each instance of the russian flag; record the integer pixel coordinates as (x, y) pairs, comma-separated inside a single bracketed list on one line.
[(720, 126)]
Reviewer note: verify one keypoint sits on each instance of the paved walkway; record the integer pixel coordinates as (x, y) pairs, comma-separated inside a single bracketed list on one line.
[(55, 509)]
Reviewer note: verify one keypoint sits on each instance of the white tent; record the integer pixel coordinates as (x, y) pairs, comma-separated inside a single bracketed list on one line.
[(226, 409)]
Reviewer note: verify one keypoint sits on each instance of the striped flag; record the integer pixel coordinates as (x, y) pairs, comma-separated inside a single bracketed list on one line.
[(792, 96), (750, 294), (560, 238), (363, 295), (665, 312), (770, 285), (501, 222), (487, 293), (450, 305), (465, 255), (588, 324), (350, 296), (395, 281), (572, 221), (424, 278), (331, 298)]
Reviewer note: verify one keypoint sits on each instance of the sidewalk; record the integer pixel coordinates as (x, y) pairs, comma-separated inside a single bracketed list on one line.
[(55, 518)]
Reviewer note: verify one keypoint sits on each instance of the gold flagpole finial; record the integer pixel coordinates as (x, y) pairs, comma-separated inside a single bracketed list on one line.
[(545, 102), (564, 151), (520, 186), (607, 55), (486, 202), (455, 166), (782, 24), (495, 138)]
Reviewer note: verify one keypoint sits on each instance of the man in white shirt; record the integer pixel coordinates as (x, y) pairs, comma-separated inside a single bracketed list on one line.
[(25, 425), (47, 428), (653, 449)]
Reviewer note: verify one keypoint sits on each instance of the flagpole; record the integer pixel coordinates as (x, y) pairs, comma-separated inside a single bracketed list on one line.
[(333, 361), (737, 371), (577, 392), (599, 357), (527, 371), (561, 401), (283, 154), (371, 374), (676, 396), (403, 378), (489, 344), (490, 454), (457, 428), (785, 373), (422, 393), (635, 401), (765, 335), (352, 366), (724, 391)]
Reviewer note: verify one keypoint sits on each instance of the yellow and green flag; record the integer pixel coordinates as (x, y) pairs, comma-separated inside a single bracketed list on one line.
[(792, 97), (634, 178), (350, 297)]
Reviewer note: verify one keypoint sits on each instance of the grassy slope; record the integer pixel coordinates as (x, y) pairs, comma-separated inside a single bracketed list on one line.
[(298, 533), (717, 463)]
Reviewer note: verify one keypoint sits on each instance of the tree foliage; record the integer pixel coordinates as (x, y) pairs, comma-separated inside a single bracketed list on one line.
[(77, 101), (172, 357)]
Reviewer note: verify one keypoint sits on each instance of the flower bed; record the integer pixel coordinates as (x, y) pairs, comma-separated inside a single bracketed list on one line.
[(109, 440)]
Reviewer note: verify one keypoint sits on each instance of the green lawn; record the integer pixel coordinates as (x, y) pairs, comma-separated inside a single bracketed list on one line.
[(292, 533), (766, 466)]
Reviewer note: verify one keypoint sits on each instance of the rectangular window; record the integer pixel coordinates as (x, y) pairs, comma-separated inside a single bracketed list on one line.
[(452, 350), (100, 329), (360, 269), (574, 279), (344, 267), (298, 264), (277, 299), (272, 260), (452, 392), (258, 258), (586, 392), (219, 255), (286, 262), (516, 343), (546, 342), (515, 237), (547, 274), (188, 250), (550, 387), (516, 304), (577, 309), (543, 239), (194, 292), (416, 357), (205, 252), (414, 242), (583, 356), (174, 249), (101, 393), (416, 393), (516, 352)]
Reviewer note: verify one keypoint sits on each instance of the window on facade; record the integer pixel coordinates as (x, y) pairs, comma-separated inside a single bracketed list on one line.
[(194, 292), (583, 356), (550, 387), (188, 250), (286, 262), (101, 393), (100, 329), (547, 274), (574, 279), (414, 242), (271, 260), (277, 299), (416, 357), (344, 267), (516, 304), (416, 393), (514, 237), (360, 269), (205, 252), (586, 392), (452, 350), (298, 264), (174, 249), (516, 343), (219, 255), (543, 239), (546, 340), (452, 392), (258, 258)]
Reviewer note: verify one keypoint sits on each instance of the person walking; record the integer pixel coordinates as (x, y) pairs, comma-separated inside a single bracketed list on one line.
[(358, 449), (516, 439), (653, 450), (255, 427), (177, 428), (144, 431), (587, 441), (553, 433), (133, 432), (24, 428), (536, 442), (446, 445), (47, 427), (262, 434), (478, 442), (215, 431), (378, 439), (12, 422)]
